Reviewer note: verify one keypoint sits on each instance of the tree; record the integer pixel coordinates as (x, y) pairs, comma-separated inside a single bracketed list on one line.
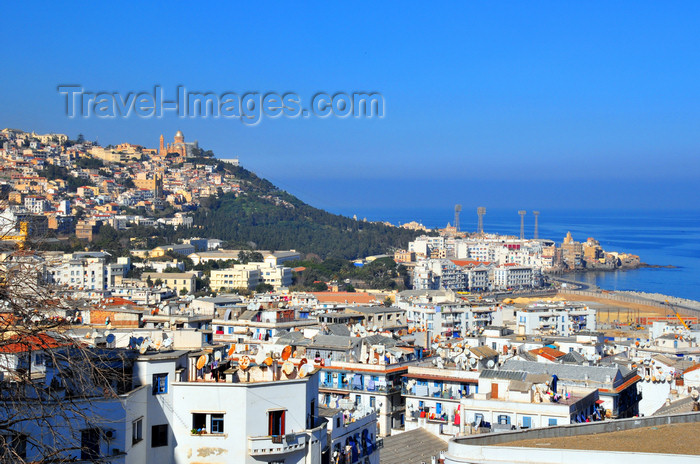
[(388, 301), (263, 288), (183, 291), (80, 139), (52, 383)]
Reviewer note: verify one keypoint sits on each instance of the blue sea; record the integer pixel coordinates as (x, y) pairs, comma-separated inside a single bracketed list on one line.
[(658, 237)]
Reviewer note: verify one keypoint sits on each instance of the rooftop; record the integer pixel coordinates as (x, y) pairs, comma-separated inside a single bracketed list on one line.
[(667, 439), (415, 446)]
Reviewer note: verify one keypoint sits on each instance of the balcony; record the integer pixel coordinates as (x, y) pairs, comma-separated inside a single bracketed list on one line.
[(276, 445), (376, 388)]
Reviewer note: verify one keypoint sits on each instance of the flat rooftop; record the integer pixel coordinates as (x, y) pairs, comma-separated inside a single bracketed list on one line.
[(667, 439)]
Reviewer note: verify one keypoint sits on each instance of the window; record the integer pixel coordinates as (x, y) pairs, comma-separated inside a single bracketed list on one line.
[(160, 384), (358, 400), (527, 422), (478, 419), (90, 444), (552, 422), (276, 422), (18, 443), (199, 422), (159, 435), (217, 423), (136, 431), (503, 419), (372, 401)]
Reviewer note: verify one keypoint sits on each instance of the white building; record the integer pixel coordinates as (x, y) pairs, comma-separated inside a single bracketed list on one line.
[(353, 436), (555, 319), (510, 276), (89, 271), (507, 399), (250, 276)]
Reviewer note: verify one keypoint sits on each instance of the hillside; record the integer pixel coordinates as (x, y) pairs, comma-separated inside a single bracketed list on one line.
[(274, 219)]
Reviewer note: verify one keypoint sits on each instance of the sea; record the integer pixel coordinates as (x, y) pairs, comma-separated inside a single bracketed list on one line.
[(670, 237)]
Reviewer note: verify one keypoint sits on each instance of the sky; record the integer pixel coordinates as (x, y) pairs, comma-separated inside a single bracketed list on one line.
[(588, 105)]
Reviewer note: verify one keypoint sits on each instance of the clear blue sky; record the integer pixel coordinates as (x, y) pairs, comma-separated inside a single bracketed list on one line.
[(505, 104)]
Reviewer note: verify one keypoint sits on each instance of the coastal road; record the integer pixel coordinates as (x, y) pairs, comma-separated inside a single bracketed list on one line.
[(575, 285)]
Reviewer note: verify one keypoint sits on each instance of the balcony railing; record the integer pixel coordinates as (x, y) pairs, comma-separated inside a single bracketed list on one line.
[(443, 418), (376, 388), (443, 394), (276, 445)]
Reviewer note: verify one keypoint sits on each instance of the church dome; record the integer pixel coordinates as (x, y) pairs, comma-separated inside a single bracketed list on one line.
[(179, 134)]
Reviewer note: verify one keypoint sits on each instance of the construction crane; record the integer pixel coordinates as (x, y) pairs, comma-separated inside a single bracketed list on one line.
[(20, 239), (678, 316)]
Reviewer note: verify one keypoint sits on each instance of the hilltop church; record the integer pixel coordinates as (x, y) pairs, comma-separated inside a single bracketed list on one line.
[(179, 146)]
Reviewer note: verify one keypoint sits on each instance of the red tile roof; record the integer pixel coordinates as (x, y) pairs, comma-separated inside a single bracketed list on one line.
[(466, 262), (31, 343), (692, 368), (117, 301), (547, 353), (618, 389)]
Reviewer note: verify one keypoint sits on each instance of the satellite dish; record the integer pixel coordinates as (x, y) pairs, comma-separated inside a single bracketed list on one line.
[(286, 352), (217, 355), (201, 361), (167, 343), (268, 361), (287, 368), (111, 338), (244, 363), (303, 362), (143, 348), (232, 350), (304, 370)]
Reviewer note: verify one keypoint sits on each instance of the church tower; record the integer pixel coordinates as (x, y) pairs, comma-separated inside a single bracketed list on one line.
[(161, 152)]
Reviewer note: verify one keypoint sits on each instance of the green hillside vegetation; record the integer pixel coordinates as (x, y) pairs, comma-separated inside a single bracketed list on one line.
[(274, 219), (383, 273)]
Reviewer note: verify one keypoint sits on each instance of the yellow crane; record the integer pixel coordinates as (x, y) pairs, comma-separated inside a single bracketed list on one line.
[(19, 239), (678, 316)]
